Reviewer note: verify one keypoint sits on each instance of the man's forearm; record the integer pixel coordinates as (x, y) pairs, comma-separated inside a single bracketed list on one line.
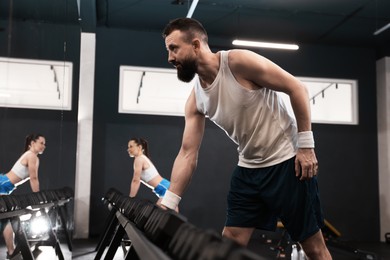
[(182, 171), (301, 107)]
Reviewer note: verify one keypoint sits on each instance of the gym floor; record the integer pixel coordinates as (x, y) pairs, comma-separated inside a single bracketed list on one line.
[(266, 244)]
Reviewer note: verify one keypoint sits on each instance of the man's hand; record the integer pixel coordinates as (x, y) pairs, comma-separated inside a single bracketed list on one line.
[(306, 164), (158, 203)]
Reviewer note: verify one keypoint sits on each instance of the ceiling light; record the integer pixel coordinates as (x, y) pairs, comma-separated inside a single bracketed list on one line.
[(192, 8), (387, 26), (266, 45)]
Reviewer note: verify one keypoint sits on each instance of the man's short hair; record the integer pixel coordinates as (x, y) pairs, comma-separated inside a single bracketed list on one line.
[(191, 27)]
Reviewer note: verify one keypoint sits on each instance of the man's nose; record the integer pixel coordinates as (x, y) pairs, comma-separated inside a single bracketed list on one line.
[(171, 59)]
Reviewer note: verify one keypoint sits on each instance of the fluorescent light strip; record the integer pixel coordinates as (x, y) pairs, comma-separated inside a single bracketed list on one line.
[(387, 26), (266, 45), (192, 8)]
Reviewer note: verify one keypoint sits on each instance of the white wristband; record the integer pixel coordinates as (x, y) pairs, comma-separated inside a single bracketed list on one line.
[(170, 200), (305, 139)]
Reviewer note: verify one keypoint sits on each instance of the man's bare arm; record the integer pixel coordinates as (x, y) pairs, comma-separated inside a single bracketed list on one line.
[(186, 160)]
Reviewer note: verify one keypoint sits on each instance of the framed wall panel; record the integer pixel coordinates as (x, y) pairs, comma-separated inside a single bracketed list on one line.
[(145, 90), (38, 84), (152, 91)]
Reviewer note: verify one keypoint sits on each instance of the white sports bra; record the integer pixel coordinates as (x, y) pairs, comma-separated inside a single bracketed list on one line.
[(149, 173), (19, 169)]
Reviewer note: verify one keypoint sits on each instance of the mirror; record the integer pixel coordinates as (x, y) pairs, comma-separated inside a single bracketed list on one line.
[(39, 58)]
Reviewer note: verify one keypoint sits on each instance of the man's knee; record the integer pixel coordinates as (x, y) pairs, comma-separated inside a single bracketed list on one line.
[(239, 234), (315, 247)]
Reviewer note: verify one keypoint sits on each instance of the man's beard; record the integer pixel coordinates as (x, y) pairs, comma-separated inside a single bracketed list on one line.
[(186, 70)]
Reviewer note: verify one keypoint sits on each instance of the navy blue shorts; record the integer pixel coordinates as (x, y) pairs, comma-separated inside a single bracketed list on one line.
[(260, 197)]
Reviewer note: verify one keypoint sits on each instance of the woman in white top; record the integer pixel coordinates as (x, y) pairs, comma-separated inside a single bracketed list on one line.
[(144, 170), (25, 168)]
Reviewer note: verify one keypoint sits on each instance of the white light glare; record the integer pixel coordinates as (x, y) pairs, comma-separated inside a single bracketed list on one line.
[(266, 45), (25, 217), (39, 225)]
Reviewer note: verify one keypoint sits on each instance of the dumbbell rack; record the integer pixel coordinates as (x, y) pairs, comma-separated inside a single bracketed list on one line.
[(157, 234), (117, 226), (50, 203), (20, 234)]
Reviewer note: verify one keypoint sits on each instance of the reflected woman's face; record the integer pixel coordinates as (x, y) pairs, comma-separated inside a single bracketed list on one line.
[(133, 148), (38, 145)]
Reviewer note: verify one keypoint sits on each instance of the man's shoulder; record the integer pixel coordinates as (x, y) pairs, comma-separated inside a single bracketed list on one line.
[(240, 52)]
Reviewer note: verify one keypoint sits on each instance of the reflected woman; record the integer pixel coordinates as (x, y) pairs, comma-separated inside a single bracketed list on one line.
[(144, 169), (25, 168)]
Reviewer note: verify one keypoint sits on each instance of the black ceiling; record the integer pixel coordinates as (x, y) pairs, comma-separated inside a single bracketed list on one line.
[(335, 22)]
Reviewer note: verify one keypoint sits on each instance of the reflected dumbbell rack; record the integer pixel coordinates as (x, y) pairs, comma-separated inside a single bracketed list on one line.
[(36, 219)]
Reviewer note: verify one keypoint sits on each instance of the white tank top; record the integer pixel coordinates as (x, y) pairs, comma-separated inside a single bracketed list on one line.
[(19, 169), (258, 121), (149, 173)]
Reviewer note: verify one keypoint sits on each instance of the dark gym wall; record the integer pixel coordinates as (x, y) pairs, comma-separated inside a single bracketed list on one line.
[(41, 41), (347, 153)]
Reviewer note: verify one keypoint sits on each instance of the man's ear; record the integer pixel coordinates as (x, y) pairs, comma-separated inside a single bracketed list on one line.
[(196, 44)]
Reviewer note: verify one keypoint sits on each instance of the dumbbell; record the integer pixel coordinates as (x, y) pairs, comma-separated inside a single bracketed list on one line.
[(162, 226), (201, 241), (177, 245), (12, 204), (3, 205), (144, 214)]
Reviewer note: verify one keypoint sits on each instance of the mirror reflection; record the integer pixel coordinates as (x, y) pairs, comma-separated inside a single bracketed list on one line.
[(39, 48)]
